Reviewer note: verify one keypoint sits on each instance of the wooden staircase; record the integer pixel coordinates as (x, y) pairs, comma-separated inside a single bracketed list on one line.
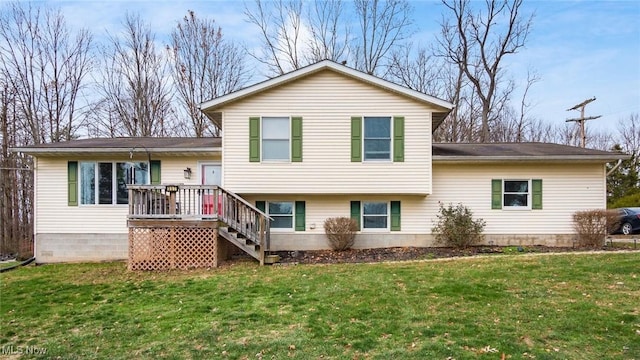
[(245, 226)]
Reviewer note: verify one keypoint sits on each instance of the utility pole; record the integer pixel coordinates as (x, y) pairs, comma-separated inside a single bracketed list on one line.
[(582, 118)]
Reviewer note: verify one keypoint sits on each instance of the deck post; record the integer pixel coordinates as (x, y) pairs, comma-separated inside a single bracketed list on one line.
[(262, 240)]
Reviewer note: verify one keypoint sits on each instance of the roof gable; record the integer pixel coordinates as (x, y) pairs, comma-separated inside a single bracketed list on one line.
[(210, 108)]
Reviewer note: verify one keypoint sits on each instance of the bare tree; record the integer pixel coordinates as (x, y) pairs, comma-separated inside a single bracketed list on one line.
[(523, 120), (135, 83), (422, 72), (46, 68), (384, 25), (478, 43), (281, 28), (515, 125), (204, 66), (629, 135), (329, 35), (43, 69), (566, 134), (601, 140)]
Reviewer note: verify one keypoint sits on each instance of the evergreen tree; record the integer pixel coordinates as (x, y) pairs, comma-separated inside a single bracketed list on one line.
[(624, 180)]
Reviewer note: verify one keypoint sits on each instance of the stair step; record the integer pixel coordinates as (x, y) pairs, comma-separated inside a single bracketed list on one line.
[(271, 259)]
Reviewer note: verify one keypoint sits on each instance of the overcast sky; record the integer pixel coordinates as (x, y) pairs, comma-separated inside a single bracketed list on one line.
[(579, 49)]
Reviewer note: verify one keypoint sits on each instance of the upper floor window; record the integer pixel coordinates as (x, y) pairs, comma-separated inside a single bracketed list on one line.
[(106, 182), (275, 138), (377, 138)]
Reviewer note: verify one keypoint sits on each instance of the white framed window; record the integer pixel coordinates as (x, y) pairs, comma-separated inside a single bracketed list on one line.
[(282, 214), (105, 183), (375, 215), (276, 133), (377, 138), (516, 194)]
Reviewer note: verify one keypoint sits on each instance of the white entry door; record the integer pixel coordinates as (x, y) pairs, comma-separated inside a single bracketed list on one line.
[(211, 174)]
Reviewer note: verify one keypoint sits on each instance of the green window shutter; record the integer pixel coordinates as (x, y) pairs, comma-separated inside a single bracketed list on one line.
[(395, 216), (156, 173), (355, 212), (262, 206), (296, 139), (300, 215), (496, 194), (72, 183), (254, 139), (398, 138), (356, 139), (536, 194)]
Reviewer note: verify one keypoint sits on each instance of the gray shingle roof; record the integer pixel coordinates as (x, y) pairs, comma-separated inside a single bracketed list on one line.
[(129, 142), (126, 145), (442, 152), (518, 151)]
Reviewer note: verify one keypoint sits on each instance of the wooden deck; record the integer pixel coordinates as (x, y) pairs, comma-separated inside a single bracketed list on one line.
[(166, 220)]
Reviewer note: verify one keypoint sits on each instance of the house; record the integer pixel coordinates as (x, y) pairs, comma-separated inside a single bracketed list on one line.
[(322, 141)]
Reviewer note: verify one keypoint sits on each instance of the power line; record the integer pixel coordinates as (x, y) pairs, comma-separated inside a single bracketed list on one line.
[(581, 120)]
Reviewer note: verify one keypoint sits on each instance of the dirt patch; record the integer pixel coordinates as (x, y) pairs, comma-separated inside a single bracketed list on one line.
[(412, 253)]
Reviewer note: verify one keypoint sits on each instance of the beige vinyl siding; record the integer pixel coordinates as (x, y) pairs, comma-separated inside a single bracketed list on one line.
[(173, 169), (53, 215), (320, 208), (326, 101), (566, 189)]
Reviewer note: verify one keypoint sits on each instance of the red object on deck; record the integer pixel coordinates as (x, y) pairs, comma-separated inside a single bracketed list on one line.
[(208, 203)]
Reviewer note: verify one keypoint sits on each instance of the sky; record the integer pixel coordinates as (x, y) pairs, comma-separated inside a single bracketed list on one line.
[(579, 49)]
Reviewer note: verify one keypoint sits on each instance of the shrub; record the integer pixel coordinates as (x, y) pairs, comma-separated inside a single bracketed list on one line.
[(341, 232), (592, 226), (631, 200), (457, 228)]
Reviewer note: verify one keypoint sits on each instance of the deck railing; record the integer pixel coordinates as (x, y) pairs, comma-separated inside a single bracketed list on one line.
[(200, 203)]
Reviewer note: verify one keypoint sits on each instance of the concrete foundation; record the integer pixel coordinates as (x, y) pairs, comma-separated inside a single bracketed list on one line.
[(291, 242), (54, 248)]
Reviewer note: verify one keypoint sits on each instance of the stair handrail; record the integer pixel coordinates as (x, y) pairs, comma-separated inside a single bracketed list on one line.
[(264, 223), (237, 197)]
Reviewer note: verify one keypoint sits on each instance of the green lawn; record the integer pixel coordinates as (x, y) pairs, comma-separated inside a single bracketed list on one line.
[(569, 306), (7, 264)]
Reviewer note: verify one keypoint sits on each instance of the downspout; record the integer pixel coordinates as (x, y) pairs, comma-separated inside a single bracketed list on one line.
[(614, 167)]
